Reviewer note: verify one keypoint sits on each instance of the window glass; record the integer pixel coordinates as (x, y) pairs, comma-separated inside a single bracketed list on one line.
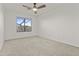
[(24, 24)]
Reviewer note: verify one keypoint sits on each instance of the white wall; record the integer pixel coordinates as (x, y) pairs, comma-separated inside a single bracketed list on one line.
[(11, 12), (1, 26), (61, 23)]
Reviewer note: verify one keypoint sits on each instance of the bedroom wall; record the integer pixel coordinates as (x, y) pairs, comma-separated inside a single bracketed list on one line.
[(1, 26), (60, 23), (11, 12)]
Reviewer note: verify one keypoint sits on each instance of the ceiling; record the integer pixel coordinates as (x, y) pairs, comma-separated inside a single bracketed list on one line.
[(49, 7), (18, 7)]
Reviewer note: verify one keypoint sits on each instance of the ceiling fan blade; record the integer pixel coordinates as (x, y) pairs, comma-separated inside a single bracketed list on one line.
[(42, 6), (27, 7)]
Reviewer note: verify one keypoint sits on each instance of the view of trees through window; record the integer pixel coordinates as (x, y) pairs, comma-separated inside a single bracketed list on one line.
[(24, 24)]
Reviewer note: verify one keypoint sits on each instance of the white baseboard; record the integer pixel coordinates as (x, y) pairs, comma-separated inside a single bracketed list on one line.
[(22, 37), (46, 37), (1, 45)]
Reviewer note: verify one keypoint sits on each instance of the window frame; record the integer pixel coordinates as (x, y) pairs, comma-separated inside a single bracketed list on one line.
[(24, 18)]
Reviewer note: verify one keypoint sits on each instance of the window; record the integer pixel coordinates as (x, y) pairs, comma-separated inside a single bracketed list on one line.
[(24, 24)]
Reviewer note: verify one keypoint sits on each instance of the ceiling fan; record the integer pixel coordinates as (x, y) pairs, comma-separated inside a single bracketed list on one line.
[(34, 8)]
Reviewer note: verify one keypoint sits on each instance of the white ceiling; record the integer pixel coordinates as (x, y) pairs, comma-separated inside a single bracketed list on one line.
[(49, 7), (18, 7)]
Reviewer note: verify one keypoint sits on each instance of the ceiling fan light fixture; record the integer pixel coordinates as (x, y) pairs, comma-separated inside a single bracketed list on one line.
[(34, 9)]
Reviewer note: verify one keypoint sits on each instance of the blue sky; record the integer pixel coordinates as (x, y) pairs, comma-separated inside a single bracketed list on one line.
[(19, 20)]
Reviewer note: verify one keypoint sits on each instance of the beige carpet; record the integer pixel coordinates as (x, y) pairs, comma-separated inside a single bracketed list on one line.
[(36, 46)]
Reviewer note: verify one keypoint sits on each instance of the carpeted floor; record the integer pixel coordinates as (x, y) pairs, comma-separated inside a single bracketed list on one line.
[(36, 46)]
